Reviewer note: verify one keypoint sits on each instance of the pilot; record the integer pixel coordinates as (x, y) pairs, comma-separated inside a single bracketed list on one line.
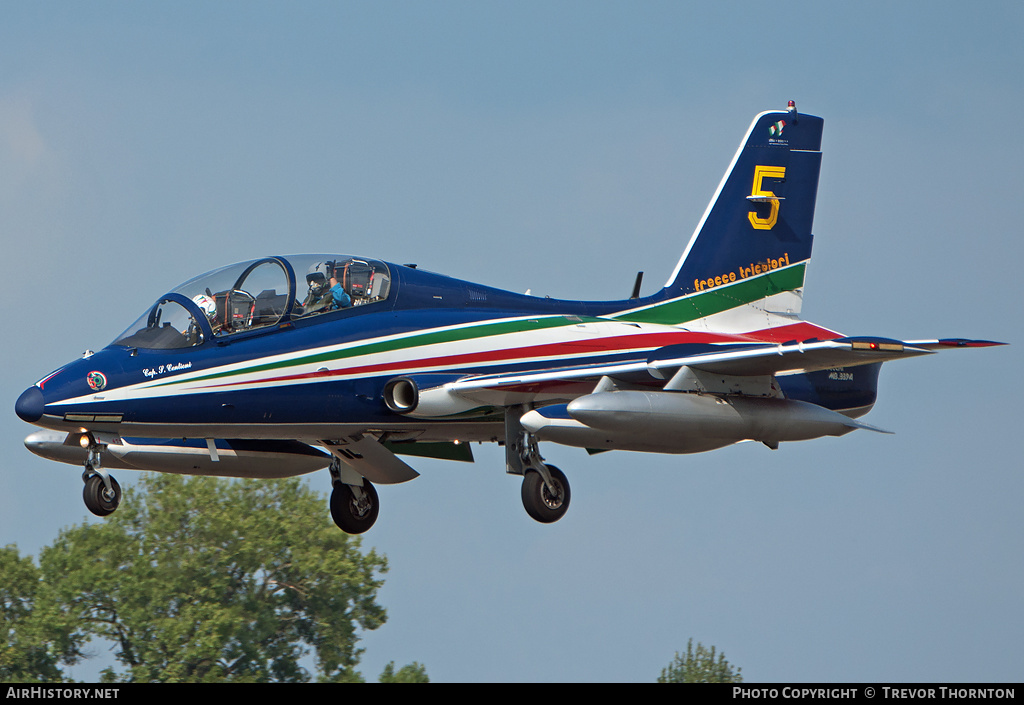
[(325, 291), (208, 305), (340, 298)]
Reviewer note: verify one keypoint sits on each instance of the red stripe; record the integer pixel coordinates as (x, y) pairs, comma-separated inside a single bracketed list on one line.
[(619, 343), (801, 331)]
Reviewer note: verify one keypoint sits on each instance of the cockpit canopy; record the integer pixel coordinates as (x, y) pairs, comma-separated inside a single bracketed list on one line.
[(257, 294)]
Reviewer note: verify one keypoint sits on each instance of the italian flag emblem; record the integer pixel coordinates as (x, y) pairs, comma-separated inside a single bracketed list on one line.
[(776, 129)]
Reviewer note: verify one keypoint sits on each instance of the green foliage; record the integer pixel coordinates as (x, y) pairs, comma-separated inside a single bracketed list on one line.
[(205, 579), (699, 666), (411, 673), (32, 644)]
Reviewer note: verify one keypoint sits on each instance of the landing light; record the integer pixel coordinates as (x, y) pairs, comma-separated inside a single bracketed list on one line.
[(83, 440)]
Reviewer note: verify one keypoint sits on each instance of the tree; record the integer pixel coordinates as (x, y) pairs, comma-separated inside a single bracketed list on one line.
[(205, 579), (699, 666), (31, 647), (411, 673)]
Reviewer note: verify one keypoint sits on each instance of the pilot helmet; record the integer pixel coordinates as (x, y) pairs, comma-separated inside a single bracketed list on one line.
[(206, 304), (317, 276)]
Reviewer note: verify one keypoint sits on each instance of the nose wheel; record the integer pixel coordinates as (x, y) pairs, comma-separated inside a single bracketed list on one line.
[(100, 499), (101, 493)]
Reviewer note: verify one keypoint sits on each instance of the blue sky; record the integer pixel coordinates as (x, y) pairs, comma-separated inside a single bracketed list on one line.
[(560, 147)]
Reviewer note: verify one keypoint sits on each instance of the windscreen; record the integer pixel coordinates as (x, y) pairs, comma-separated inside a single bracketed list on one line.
[(257, 294), (166, 326)]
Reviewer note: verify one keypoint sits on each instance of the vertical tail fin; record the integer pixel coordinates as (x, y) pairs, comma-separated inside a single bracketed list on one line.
[(764, 206), (753, 243)]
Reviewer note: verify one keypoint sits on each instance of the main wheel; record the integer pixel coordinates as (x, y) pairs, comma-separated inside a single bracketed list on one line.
[(351, 515), (542, 503), (98, 499)]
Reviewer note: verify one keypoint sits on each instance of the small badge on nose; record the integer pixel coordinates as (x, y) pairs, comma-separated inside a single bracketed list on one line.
[(96, 380)]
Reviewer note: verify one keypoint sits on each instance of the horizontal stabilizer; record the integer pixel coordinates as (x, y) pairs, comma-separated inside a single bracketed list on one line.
[(788, 357), (945, 343), (739, 360)]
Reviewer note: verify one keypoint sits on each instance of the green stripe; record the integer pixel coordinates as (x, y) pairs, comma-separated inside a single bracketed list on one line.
[(721, 298), (672, 312), (445, 336)]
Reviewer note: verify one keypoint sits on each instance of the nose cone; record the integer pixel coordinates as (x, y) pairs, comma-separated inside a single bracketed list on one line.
[(30, 405)]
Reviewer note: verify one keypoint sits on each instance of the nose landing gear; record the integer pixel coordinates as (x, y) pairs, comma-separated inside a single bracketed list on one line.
[(100, 498), (101, 493)]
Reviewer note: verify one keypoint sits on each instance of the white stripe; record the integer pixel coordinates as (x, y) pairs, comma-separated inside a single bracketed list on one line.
[(511, 341)]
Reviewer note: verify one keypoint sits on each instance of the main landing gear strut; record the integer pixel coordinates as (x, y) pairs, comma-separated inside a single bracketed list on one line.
[(545, 489)]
